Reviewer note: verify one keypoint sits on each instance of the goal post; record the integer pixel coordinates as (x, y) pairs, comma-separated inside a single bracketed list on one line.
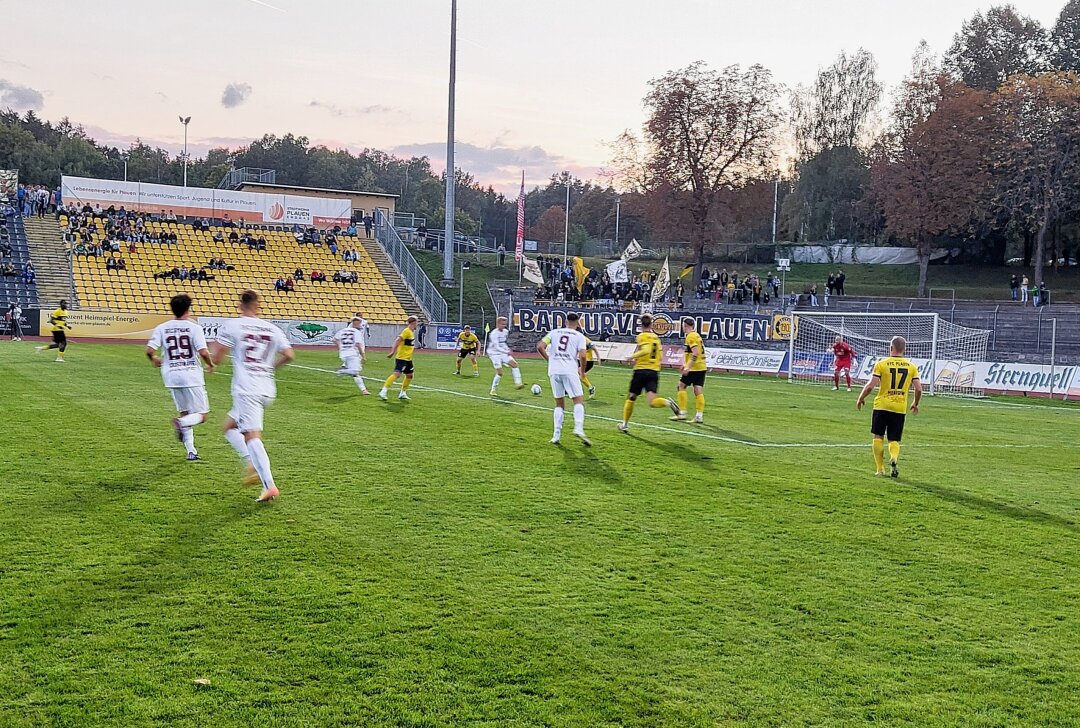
[(945, 353)]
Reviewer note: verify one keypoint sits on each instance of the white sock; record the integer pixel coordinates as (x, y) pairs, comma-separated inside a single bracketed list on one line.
[(360, 383), (579, 417), (495, 381), (191, 420), (517, 375), (189, 440), (559, 413), (236, 439), (261, 461)]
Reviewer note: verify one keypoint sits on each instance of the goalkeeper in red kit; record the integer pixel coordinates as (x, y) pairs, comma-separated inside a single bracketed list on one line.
[(844, 355)]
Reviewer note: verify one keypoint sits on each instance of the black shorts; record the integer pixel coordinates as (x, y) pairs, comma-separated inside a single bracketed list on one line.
[(889, 425), (644, 380), (589, 365), (466, 352), (403, 366), (693, 379), (59, 337)]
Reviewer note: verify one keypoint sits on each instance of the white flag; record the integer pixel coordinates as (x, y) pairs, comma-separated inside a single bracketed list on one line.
[(633, 250), (530, 270), (617, 272), (663, 281)]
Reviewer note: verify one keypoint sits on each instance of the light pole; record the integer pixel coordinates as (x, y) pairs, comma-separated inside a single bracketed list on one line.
[(618, 210), (448, 227), (185, 120), (461, 292), (566, 226)]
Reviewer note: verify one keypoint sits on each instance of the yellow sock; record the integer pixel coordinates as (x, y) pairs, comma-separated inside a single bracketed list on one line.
[(586, 382), (389, 381), (894, 451), (405, 384), (683, 398), (699, 403), (879, 454), (627, 410), (659, 402), (475, 367)]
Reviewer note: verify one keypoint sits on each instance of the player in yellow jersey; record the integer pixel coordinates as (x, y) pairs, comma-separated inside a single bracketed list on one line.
[(402, 354), (59, 324), (646, 377), (893, 376), (693, 372), (592, 358), (468, 346)]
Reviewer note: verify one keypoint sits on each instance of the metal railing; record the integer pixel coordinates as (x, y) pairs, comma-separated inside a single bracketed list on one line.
[(415, 278)]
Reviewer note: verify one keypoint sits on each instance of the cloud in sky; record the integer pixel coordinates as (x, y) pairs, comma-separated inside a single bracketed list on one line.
[(235, 94), (350, 111), (498, 164), (20, 98)]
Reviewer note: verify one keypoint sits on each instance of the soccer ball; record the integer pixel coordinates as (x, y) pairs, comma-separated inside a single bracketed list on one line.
[(536, 389)]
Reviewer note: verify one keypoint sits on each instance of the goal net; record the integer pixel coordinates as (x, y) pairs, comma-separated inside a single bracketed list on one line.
[(945, 353)]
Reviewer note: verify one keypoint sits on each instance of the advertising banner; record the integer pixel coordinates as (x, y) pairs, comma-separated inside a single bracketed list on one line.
[(994, 377), (106, 324), (739, 360), (252, 207), (446, 337), (606, 323), (29, 321), (303, 333)]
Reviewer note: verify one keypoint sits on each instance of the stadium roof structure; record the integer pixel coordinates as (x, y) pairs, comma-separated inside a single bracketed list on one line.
[(324, 190)]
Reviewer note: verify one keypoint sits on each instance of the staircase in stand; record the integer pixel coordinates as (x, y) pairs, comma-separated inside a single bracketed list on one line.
[(390, 272), (52, 262)]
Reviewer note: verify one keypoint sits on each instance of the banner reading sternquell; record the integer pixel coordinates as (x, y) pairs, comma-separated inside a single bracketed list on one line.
[(107, 324), (253, 207)]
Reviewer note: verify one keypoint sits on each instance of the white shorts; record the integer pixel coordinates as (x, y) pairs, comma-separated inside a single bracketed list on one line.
[(247, 411), (501, 360), (192, 400), (565, 385), (352, 364)]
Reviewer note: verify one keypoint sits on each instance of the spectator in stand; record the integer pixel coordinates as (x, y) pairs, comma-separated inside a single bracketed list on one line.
[(218, 237), (299, 235), (351, 230), (298, 274), (1025, 284), (8, 270), (171, 217), (1014, 287), (317, 276), (1043, 295), (110, 264), (290, 285), (29, 275), (840, 278), (279, 284), (421, 236), (369, 223), (829, 285), (502, 255), (234, 237)]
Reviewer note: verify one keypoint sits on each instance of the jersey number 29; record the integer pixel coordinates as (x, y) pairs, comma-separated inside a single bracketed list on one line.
[(179, 347)]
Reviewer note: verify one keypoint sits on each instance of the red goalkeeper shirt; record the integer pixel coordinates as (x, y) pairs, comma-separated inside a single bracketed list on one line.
[(844, 354)]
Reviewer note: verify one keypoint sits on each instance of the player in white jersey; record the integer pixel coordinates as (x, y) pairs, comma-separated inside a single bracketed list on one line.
[(182, 343), (351, 350), (498, 349), (564, 350), (258, 350)]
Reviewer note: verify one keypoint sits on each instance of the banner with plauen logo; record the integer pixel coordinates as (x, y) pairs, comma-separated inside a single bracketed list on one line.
[(601, 323), (252, 207)]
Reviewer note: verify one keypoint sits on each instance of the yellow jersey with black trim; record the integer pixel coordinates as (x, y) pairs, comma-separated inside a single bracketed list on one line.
[(650, 351), (405, 348), (58, 319), (897, 376), (590, 351), (700, 364), (468, 341)]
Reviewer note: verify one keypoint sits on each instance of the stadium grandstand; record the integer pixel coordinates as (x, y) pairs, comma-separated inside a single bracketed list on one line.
[(17, 277)]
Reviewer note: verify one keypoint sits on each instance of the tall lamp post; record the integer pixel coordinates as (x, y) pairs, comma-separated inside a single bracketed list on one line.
[(185, 120), (566, 225), (618, 210), (448, 227)]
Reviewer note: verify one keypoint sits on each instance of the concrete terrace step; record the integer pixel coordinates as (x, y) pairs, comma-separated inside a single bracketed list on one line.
[(393, 278), (51, 260)]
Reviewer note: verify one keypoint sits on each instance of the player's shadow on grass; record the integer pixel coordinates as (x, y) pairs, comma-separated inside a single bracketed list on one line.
[(340, 400), (730, 434), (683, 452), (1019, 513), (584, 462)]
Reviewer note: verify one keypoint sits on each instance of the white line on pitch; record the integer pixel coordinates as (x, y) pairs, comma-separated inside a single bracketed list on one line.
[(695, 433)]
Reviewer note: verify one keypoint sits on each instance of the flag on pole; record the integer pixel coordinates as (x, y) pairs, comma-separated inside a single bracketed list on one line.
[(519, 246), (530, 269), (633, 250), (580, 272), (687, 271), (663, 281), (617, 272)]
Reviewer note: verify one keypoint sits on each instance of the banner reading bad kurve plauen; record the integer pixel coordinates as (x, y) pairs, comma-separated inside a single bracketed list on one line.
[(600, 323)]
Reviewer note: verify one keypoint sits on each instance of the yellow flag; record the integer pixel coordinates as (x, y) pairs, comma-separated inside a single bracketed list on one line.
[(580, 272), (686, 271)]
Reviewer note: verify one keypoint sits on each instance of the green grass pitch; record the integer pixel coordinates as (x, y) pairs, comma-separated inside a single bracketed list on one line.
[(439, 563)]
